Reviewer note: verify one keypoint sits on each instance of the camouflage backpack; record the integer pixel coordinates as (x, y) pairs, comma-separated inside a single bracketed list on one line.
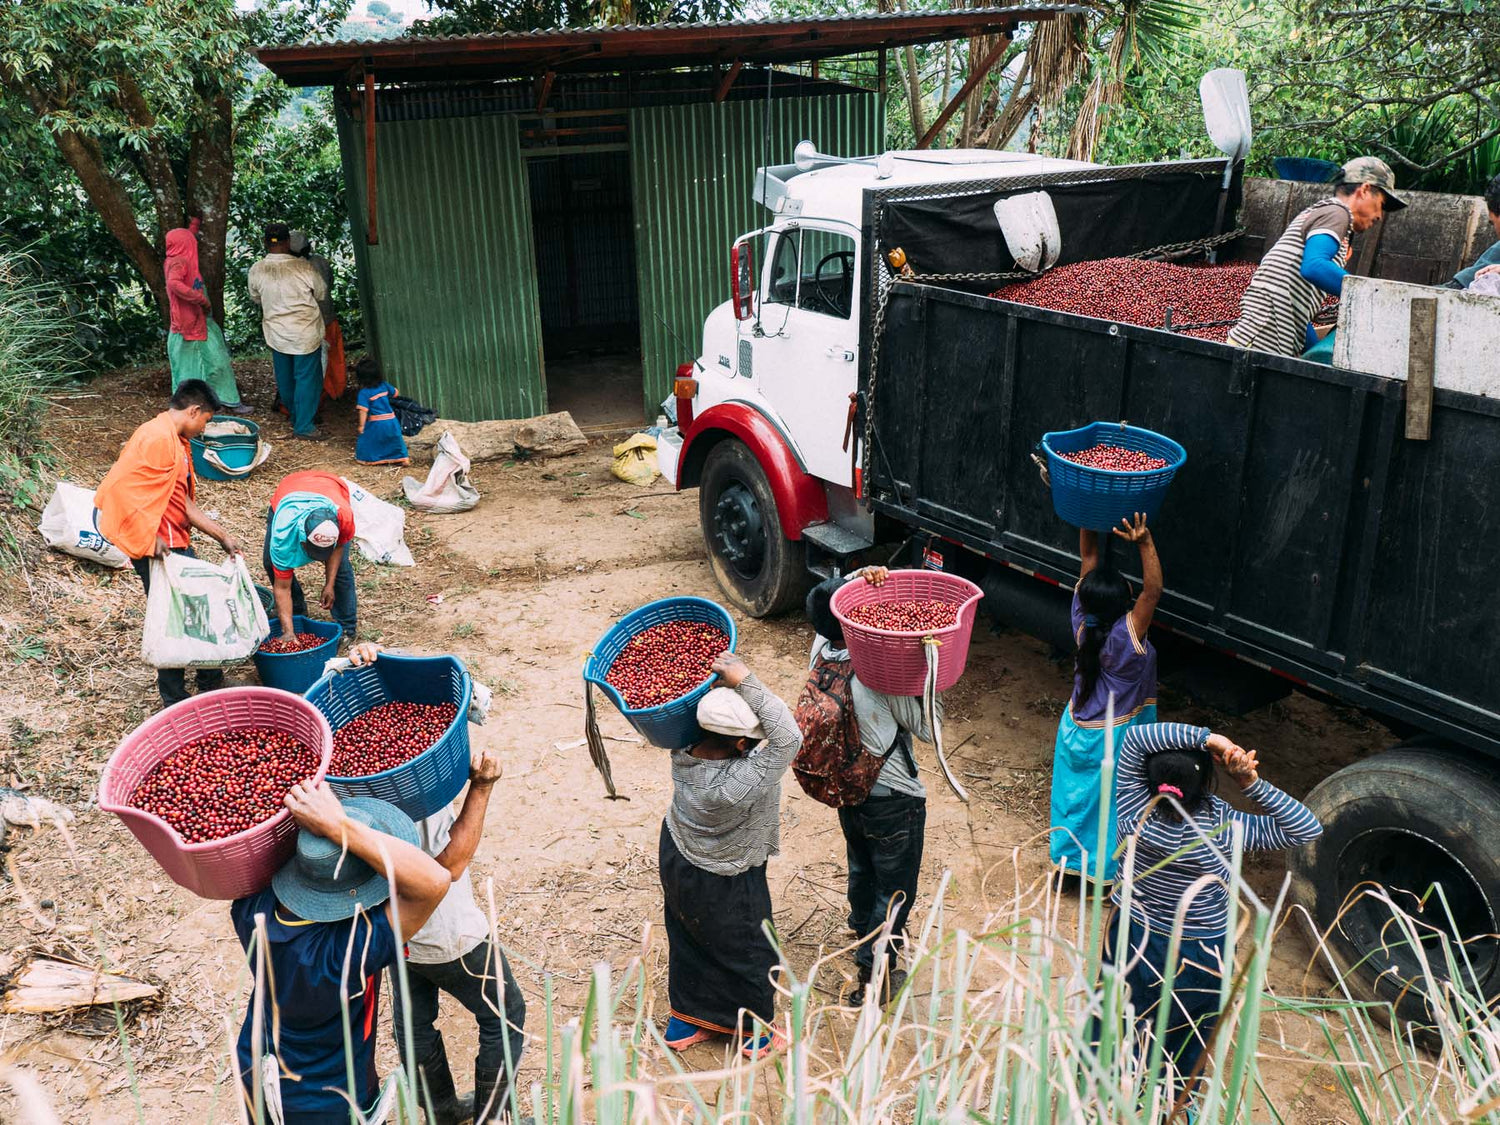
[(832, 765)]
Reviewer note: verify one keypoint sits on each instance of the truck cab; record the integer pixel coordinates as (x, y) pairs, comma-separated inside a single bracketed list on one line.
[(765, 412)]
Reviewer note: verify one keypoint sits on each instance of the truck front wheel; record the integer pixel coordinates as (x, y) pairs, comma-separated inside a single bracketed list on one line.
[(761, 570), (1423, 827)]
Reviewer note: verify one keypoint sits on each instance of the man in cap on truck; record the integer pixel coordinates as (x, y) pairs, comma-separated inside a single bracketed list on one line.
[(1307, 261)]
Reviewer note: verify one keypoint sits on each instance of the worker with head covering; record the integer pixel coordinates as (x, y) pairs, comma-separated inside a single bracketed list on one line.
[(1307, 262), (723, 824), (195, 343), (311, 520)]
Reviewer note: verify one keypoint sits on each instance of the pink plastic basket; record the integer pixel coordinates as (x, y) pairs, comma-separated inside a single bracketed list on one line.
[(893, 662), (237, 865)]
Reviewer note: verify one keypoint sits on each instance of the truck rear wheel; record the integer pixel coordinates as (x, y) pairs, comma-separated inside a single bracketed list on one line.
[(1415, 822), (761, 570)]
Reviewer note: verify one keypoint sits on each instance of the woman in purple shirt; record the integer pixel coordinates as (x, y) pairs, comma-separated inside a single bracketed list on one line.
[(1116, 660)]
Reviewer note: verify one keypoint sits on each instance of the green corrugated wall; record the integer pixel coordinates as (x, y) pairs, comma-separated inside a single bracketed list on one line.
[(449, 292), (692, 173)]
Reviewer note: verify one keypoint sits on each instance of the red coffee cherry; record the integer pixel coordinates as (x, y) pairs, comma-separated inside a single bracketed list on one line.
[(387, 736), (298, 642), (904, 617), (665, 662)]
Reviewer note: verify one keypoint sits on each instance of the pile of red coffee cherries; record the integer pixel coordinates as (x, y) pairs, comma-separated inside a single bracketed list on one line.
[(298, 642), (224, 783), (386, 736), (904, 617), (665, 662), (1115, 459)]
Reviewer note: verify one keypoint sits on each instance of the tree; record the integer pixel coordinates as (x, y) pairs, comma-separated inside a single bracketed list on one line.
[(142, 101)]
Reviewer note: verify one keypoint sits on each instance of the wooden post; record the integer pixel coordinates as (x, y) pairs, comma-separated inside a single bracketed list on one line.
[(727, 81), (1421, 360), (371, 237), (544, 89), (976, 76)]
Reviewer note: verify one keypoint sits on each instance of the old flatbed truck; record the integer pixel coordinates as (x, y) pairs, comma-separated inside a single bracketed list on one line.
[(1307, 538)]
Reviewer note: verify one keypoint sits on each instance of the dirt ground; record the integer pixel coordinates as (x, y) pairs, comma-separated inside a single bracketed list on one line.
[(555, 552)]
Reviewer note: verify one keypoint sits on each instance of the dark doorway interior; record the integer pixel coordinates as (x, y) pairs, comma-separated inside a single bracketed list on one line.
[(584, 231)]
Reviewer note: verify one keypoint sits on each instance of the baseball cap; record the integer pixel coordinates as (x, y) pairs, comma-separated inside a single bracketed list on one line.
[(1373, 170), (724, 712), (320, 533)]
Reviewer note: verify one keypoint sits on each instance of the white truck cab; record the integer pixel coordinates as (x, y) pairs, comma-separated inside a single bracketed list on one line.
[(765, 418)]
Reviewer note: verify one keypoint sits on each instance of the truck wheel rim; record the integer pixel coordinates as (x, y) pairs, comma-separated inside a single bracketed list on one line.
[(1412, 867), (740, 530)]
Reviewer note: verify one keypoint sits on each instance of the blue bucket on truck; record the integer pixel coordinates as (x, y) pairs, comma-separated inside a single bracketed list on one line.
[(1098, 499), (297, 671), (433, 778), (673, 725)]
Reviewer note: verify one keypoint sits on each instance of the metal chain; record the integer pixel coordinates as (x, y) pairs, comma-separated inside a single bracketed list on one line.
[(878, 321)]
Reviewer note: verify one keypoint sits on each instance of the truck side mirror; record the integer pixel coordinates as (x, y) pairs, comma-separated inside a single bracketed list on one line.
[(742, 280)]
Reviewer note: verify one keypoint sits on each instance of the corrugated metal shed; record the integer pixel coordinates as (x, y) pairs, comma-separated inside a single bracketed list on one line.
[(450, 291), (692, 171)]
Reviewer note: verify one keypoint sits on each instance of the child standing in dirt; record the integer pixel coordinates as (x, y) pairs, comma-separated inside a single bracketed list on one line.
[(723, 824), (380, 441)]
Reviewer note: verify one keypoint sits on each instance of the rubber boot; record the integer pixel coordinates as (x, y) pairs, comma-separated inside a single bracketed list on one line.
[(491, 1096), (439, 1098)]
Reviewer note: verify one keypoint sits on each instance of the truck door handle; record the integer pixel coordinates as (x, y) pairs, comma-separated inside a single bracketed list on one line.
[(844, 354)]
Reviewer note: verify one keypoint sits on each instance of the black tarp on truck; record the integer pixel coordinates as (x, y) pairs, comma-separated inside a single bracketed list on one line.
[(1305, 534)]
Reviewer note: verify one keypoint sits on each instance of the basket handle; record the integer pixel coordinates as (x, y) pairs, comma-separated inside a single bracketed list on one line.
[(1041, 465)]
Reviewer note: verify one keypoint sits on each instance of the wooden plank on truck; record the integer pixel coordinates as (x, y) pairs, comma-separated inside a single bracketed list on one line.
[(1420, 363)]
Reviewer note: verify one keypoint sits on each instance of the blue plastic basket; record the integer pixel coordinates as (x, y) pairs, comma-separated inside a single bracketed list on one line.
[(1099, 499), (433, 778), (235, 450), (1306, 169), (297, 671), (668, 725)]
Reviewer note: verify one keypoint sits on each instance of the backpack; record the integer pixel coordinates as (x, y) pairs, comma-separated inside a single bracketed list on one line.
[(832, 765)]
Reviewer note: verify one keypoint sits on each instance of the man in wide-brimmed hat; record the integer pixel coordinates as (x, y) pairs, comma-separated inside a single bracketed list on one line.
[(723, 824), (333, 917)]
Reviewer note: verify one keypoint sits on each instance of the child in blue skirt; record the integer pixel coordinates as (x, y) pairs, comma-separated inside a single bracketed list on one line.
[(380, 441)]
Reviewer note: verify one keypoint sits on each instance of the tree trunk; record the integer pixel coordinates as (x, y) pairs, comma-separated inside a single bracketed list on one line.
[(210, 175)]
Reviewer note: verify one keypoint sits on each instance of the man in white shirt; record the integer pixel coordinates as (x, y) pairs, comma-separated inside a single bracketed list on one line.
[(288, 290)]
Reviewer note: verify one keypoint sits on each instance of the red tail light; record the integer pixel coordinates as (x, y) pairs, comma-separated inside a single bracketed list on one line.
[(742, 280), (685, 388)]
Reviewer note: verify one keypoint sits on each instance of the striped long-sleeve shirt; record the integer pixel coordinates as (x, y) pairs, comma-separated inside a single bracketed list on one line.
[(725, 815), (1288, 823)]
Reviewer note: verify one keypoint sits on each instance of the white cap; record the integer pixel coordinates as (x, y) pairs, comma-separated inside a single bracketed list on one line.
[(723, 711), (326, 534)]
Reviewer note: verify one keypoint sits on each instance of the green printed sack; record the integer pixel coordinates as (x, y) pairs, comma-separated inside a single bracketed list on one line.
[(201, 614)]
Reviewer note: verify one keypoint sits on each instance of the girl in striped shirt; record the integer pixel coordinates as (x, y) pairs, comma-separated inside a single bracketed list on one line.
[(1173, 765)]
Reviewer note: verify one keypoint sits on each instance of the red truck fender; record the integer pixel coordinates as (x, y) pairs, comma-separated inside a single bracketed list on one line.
[(800, 498)]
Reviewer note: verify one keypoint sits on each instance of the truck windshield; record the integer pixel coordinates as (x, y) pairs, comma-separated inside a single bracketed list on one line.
[(813, 270)]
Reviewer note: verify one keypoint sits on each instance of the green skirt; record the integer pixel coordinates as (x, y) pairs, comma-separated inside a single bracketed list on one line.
[(204, 359)]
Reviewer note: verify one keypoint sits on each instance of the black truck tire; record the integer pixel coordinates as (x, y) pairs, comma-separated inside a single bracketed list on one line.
[(762, 571), (1407, 819)]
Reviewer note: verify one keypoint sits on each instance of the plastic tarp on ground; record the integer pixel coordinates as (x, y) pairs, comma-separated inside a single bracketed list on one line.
[(1102, 219)]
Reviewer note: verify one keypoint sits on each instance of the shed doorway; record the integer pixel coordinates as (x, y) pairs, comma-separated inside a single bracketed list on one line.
[(584, 232)]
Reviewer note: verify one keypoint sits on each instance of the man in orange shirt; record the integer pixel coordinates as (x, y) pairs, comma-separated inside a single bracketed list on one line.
[(146, 504)]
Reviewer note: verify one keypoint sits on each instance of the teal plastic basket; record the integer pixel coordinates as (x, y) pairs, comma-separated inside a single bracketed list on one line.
[(1098, 499), (297, 671), (237, 451)]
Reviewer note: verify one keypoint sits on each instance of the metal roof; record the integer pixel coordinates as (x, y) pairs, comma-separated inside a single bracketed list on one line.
[(656, 47)]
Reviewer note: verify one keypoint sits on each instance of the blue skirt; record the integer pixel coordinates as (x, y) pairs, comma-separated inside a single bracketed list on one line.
[(381, 443), (1077, 759)]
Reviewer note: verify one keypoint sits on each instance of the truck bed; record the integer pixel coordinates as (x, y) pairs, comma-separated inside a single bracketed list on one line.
[(1305, 532)]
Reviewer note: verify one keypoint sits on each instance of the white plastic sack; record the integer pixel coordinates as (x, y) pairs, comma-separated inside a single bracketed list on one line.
[(201, 614), (447, 488), (1489, 284), (1029, 224), (68, 525), (379, 528)]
